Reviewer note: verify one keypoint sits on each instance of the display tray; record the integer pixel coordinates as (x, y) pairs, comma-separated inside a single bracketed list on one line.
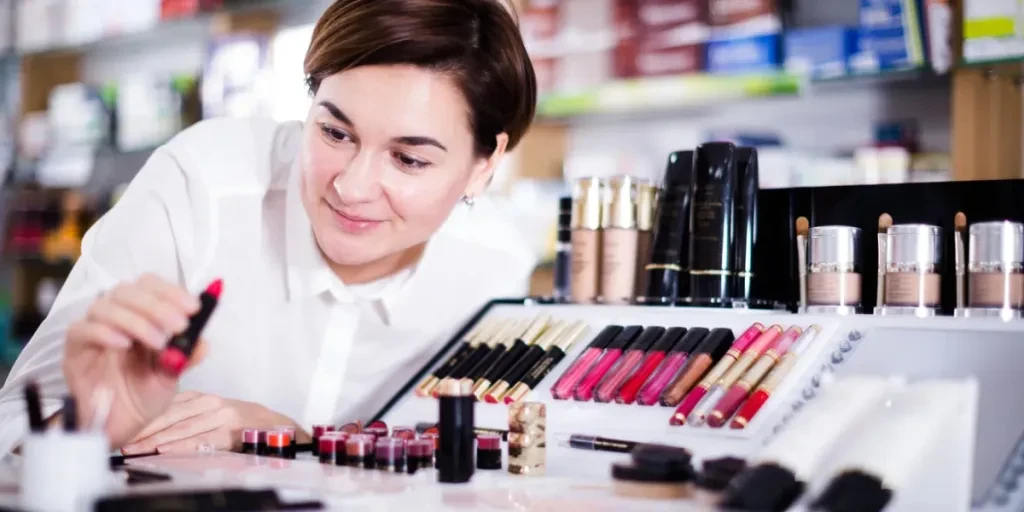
[(989, 350)]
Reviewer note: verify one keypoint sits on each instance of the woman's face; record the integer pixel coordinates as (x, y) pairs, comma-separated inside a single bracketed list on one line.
[(387, 153)]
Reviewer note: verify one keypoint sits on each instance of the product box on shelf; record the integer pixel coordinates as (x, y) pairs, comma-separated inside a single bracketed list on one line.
[(747, 55), (820, 52), (739, 19), (659, 37), (992, 30), (891, 36)]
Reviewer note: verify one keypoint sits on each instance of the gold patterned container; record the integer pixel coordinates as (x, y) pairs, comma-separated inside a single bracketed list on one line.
[(527, 446)]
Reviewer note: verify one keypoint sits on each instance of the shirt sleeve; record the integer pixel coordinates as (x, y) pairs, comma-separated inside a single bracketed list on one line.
[(149, 230)]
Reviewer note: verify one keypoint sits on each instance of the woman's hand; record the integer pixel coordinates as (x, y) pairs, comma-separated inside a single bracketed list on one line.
[(116, 347), (197, 419)]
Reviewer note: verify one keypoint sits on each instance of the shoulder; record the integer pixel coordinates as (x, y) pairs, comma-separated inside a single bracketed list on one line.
[(236, 155)]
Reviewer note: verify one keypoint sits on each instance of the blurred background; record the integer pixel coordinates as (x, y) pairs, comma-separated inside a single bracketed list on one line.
[(832, 92)]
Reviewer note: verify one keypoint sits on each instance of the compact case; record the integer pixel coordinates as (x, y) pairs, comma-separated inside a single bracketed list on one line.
[(844, 345)]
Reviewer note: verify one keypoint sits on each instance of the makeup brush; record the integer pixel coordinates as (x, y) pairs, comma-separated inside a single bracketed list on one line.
[(884, 223), (802, 227), (960, 225)]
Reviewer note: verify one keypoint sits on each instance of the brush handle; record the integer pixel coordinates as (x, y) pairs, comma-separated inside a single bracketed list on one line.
[(960, 270), (880, 296), (801, 263)]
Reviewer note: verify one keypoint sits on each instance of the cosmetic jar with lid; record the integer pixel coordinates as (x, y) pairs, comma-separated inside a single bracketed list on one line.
[(995, 266), (833, 274), (913, 256)]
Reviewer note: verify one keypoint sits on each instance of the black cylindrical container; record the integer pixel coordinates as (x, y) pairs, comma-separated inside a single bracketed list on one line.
[(488, 451), (711, 222), (455, 456), (746, 222), (261, 443), (563, 250), (667, 272)]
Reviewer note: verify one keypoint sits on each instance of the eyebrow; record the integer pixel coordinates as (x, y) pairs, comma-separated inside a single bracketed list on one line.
[(409, 140)]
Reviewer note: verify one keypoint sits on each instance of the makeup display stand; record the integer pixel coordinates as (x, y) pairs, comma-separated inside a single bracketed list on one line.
[(981, 462)]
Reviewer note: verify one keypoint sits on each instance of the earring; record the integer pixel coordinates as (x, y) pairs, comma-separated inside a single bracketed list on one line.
[(469, 200)]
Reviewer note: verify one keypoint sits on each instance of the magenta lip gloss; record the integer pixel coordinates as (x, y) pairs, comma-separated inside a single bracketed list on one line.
[(670, 367), (627, 364), (585, 390), (562, 390), (651, 361)]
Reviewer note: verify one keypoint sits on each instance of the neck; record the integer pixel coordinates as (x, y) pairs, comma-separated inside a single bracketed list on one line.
[(386, 266)]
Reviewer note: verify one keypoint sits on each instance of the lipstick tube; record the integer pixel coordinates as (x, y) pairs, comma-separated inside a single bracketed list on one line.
[(552, 357), (647, 390), (513, 330), (585, 390), (772, 381), (515, 374), (487, 344), (737, 392), (562, 390), (732, 374), (174, 357), (469, 343), (510, 357), (627, 364), (718, 356), (456, 415)]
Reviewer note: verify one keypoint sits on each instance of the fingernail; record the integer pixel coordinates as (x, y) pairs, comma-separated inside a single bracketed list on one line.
[(180, 324), (130, 449)]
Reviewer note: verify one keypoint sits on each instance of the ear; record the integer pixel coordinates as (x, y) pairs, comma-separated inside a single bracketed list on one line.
[(483, 169)]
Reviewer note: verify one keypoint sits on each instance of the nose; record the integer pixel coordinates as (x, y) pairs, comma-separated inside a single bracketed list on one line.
[(359, 181)]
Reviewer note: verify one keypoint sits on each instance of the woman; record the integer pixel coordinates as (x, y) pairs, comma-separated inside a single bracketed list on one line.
[(346, 253)]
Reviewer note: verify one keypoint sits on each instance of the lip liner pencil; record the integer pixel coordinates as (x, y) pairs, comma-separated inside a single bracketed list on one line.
[(35, 408)]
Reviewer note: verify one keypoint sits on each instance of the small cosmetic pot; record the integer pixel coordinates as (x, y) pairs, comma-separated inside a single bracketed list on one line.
[(488, 451)]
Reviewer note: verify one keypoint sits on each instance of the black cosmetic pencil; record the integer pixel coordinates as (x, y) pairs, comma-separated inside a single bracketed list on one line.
[(514, 374), (468, 345), (512, 333), (35, 408), (485, 347), (510, 357), (543, 367)]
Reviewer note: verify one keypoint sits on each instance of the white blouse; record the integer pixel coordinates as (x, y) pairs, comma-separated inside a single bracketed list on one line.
[(222, 199)]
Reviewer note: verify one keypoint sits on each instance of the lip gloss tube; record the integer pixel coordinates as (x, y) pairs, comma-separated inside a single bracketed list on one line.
[(585, 390), (562, 390), (495, 393), (717, 356), (732, 374), (487, 345), (627, 364), (551, 358), (772, 381), (510, 357), (469, 344), (738, 391), (655, 356), (646, 391)]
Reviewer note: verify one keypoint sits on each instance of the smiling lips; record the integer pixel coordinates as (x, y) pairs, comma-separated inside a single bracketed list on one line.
[(354, 225)]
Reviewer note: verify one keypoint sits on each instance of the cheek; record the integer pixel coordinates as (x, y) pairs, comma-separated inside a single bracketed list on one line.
[(425, 199)]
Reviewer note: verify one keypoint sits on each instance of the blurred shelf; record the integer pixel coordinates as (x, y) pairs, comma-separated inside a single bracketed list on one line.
[(702, 90), (174, 28), (649, 94)]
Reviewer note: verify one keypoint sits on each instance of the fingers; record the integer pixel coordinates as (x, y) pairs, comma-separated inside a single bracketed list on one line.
[(98, 334), (185, 396), (188, 429), (109, 312), (217, 440), (198, 353), (167, 315), (170, 292), (179, 412)]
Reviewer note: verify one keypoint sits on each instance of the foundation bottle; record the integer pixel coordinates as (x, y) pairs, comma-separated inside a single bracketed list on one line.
[(833, 277), (913, 255), (995, 266), (745, 235), (646, 204), (585, 267), (619, 241), (711, 223), (563, 250)]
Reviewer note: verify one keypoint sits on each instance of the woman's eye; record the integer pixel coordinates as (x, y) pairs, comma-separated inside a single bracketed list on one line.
[(333, 134), (410, 162)]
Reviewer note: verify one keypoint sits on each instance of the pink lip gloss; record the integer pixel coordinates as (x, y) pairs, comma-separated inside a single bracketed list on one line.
[(627, 364), (648, 392), (585, 390), (562, 390)]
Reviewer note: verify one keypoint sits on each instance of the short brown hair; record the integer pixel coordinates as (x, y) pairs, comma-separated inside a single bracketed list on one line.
[(477, 42)]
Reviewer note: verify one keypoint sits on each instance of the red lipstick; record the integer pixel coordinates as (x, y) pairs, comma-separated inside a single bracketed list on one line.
[(179, 349)]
